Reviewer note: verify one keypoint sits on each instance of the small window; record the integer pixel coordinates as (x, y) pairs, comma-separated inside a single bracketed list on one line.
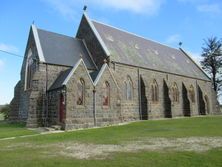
[(154, 91), (80, 92), (106, 94), (129, 89), (192, 94), (175, 93)]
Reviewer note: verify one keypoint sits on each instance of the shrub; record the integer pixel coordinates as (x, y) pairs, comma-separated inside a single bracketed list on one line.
[(5, 110)]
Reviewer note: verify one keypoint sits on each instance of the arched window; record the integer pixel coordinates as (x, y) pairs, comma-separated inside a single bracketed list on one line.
[(175, 93), (154, 91), (129, 89), (30, 69), (192, 94), (80, 92), (106, 93)]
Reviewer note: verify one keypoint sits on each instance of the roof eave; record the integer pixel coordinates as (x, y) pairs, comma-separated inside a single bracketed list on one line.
[(74, 69), (195, 63), (38, 44)]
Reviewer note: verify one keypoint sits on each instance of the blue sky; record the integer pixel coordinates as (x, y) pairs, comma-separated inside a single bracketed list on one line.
[(165, 21)]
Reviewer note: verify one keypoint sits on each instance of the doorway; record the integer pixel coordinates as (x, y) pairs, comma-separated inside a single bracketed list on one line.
[(144, 101), (186, 102), (201, 103), (166, 101)]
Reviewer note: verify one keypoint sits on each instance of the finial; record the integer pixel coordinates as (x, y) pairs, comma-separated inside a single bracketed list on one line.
[(85, 7), (80, 55), (180, 44), (105, 61), (33, 21)]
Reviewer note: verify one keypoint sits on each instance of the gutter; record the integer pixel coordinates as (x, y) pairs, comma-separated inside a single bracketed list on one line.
[(94, 106), (139, 94)]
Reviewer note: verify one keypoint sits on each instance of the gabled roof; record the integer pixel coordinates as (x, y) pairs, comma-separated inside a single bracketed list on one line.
[(60, 79), (100, 73), (65, 76), (59, 49), (95, 76), (131, 49)]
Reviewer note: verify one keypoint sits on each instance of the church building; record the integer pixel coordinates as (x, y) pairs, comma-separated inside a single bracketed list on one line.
[(105, 76)]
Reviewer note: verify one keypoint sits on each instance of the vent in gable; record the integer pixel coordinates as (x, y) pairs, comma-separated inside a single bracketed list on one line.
[(156, 52), (109, 38), (173, 57), (137, 46)]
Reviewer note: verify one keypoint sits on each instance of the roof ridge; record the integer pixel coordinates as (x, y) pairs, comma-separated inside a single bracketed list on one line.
[(58, 33), (74, 69), (136, 35)]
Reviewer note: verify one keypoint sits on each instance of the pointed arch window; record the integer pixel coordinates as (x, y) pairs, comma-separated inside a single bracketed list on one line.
[(128, 88), (80, 92), (106, 94), (30, 69), (192, 94), (155, 91), (175, 93)]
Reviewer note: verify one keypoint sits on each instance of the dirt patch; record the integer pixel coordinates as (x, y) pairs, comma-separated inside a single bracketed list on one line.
[(101, 151), (87, 151)]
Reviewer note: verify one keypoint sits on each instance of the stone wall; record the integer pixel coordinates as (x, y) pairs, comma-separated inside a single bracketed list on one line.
[(42, 80), (14, 105), (79, 116), (129, 108), (111, 113), (33, 102), (53, 107), (156, 109)]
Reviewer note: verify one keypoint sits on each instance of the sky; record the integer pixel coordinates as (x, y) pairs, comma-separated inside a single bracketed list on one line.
[(165, 21)]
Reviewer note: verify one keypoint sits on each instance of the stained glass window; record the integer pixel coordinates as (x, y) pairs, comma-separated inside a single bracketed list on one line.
[(80, 92), (106, 94)]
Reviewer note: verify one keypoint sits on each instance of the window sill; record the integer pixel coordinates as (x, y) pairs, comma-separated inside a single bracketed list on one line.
[(80, 106), (106, 107)]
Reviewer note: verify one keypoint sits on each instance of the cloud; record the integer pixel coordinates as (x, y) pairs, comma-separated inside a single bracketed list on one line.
[(66, 8), (209, 8), (69, 8), (8, 48), (136, 6), (196, 57), (204, 5), (193, 1)]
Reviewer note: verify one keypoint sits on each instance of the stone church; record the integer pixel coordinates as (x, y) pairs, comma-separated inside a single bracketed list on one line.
[(106, 76)]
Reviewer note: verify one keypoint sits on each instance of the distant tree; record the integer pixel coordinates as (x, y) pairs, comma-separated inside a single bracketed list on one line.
[(212, 61), (5, 110)]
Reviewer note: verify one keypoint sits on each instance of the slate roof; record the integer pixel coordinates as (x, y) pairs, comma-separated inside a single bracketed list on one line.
[(94, 74), (63, 50), (60, 79), (131, 49)]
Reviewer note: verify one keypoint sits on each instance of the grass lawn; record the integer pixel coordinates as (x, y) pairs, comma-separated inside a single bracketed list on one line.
[(129, 145), (13, 130)]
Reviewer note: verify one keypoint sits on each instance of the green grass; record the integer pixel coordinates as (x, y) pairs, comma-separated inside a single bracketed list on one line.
[(12, 152), (186, 127), (13, 130)]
